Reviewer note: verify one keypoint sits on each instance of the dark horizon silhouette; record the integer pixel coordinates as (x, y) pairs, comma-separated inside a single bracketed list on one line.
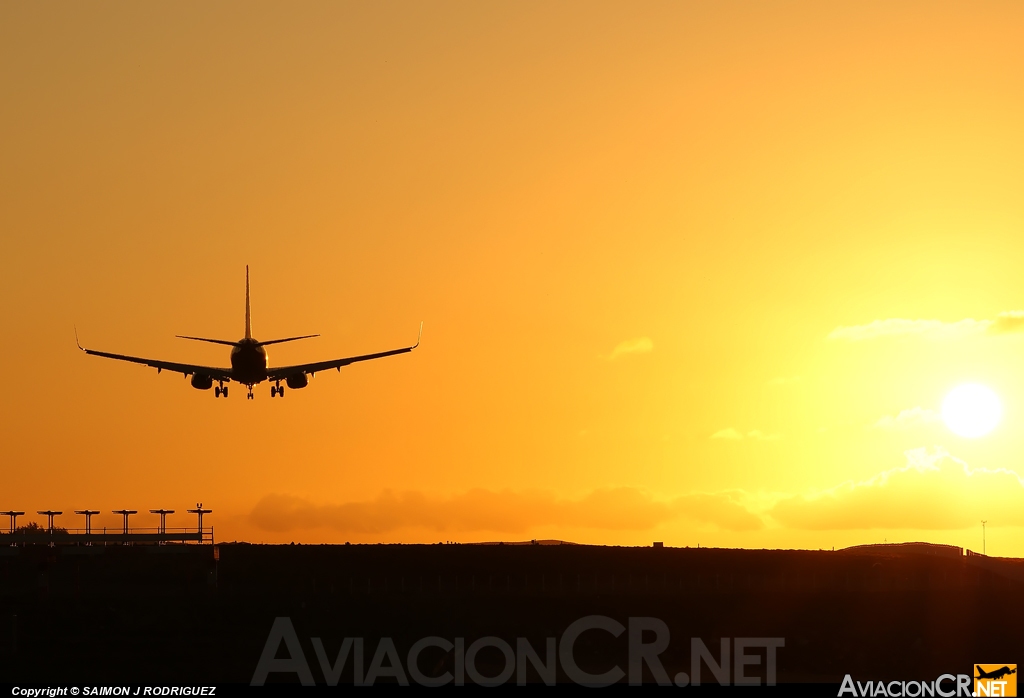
[(75, 613)]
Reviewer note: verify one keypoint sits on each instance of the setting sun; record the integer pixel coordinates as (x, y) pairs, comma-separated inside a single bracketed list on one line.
[(971, 410)]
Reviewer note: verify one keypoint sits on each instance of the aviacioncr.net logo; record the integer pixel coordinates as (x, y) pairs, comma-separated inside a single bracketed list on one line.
[(648, 638), (995, 680)]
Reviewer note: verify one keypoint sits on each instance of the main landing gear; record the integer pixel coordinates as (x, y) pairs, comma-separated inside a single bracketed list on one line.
[(220, 391), (276, 390)]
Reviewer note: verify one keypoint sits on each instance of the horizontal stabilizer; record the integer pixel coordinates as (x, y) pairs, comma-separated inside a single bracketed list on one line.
[(212, 341), (287, 339)]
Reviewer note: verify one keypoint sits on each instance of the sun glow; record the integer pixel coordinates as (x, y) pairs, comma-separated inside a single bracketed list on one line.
[(971, 410)]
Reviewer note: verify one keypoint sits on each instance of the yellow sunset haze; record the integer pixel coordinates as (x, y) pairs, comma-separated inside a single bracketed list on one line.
[(699, 273)]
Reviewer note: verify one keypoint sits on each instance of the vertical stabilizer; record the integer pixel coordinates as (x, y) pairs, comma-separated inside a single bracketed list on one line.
[(248, 324)]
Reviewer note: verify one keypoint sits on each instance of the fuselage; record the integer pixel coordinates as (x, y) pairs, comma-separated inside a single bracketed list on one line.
[(249, 362)]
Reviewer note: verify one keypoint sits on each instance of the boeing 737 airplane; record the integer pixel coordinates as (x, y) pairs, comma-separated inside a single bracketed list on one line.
[(249, 362)]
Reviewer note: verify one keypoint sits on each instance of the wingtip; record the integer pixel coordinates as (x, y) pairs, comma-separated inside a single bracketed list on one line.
[(419, 336), (76, 339)]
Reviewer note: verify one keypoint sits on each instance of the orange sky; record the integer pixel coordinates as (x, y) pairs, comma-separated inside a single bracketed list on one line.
[(634, 232)]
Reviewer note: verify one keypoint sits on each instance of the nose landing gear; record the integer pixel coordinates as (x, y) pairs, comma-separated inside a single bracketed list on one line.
[(277, 390), (249, 396)]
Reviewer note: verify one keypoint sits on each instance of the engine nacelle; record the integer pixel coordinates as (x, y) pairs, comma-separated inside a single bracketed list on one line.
[(202, 382), (296, 381)]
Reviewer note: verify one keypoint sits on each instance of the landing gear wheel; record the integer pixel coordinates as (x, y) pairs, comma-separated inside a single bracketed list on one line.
[(224, 391), (280, 391), (216, 392), (273, 391)]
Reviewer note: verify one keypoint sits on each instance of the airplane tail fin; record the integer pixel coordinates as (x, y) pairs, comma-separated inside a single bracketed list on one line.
[(248, 322), (287, 339)]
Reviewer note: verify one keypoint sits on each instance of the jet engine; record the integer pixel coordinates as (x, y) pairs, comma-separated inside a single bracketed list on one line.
[(202, 382), (297, 380)]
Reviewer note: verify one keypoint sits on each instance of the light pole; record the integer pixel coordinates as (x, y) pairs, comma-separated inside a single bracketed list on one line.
[(88, 522), (14, 516), (983, 551), (49, 521), (125, 513), (163, 522), (88, 518), (49, 518), (200, 511)]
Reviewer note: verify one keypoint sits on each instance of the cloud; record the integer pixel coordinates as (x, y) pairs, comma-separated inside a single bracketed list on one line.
[(640, 345), (730, 434), (1010, 321), (506, 512), (908, 419), (1005, 322), (933, 491)]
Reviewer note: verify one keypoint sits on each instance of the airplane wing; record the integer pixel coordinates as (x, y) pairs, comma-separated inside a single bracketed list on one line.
[(283, 372), (217, 374)]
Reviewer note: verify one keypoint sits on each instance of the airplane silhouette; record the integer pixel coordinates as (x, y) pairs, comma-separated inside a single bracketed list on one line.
[(249, 364), (996, 674)]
